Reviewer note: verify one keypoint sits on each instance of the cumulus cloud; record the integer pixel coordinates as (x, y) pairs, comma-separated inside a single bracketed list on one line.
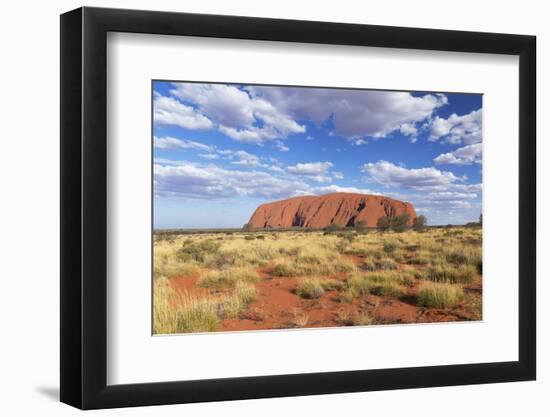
[(391, 175), (169, 111), (337, 189), (355, 113), (260, 113), (168, 142), (236, 113), (195, 181), (445, 206), (240, 157), (316, 171), (458, 129), (281, 146), (466, 155), (209, 156)]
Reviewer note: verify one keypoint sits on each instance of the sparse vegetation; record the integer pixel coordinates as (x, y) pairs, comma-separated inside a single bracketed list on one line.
[(203, 281), (440, 295), (310, 288), (419, 223), (228, 278)]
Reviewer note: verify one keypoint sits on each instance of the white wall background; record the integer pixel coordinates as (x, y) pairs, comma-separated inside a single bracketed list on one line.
[(29, 238)]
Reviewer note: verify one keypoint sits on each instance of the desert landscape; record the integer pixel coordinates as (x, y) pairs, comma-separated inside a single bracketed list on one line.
[(318, 261), (294, 207)]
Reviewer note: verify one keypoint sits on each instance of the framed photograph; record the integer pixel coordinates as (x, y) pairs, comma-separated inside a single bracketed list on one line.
[(257, 208)]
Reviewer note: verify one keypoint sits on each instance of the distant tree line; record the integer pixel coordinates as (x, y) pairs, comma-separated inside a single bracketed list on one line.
[(398, 224), (401, 223)]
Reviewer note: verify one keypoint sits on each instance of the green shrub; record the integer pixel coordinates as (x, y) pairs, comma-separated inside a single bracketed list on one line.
[(197, 250), (390, 247), (360, 226), (333, 227), (384, 223), (400, 223), (419, 223)]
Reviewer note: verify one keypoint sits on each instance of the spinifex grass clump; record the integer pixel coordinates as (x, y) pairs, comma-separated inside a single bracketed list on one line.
[(387, 284), (331, 284), (172, 269), (440, 295), (182, 313), (230, 306), (310, 288), (463, 274), (228, 278), (386, 263), (312, 262)]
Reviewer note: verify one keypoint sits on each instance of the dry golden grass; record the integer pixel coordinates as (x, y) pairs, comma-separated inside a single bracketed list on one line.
[(228, 278), (227, 265), (310, 288), (440, 295)]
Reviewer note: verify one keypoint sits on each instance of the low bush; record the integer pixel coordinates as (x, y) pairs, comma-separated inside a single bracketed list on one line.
[(389, 246), (197, 250)]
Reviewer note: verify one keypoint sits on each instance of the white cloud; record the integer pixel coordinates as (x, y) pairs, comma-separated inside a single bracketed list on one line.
[(308, 137), (169, 111), (316, 171), (275, 168), (408, 129), (337, 189), (195, 181), (442, 207), (240, 157), (338, 175), (281, 146), (466, 155), (209, 156), (355, 113), (168, 142), (391, 175), (246, 159), (458, 129), (238, 114), (310, 168)]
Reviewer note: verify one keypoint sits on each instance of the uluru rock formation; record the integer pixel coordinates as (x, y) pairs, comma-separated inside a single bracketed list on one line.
[(344, 209)]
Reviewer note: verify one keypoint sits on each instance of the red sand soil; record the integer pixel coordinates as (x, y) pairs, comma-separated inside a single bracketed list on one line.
[(344, 209), (278, 307)]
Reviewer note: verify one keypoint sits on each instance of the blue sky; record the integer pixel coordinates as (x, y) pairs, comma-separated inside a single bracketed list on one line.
[(220, 150)]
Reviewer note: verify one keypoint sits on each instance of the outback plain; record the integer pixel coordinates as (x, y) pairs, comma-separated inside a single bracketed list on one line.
[(207, 281)]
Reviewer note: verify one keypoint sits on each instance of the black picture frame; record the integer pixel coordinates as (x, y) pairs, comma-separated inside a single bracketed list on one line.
[(84, 207)]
